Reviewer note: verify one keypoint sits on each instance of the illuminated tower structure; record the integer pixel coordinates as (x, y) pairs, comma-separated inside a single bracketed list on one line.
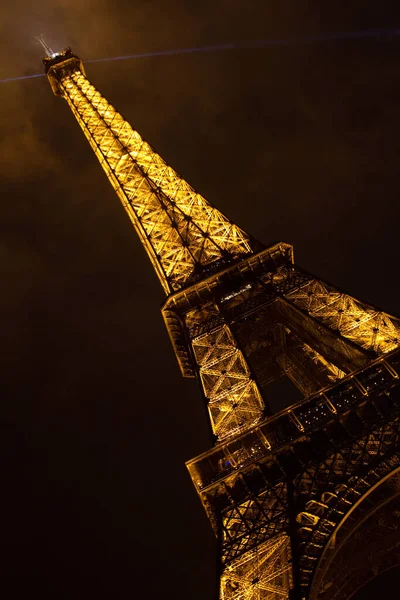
[(305, 503)]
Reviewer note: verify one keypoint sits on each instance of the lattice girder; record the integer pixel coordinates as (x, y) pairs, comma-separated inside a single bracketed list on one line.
[(275, 489), (365, 326), (263, 573), (178, 228), (307, 369), (246, 525), (325, 492), (233, 400)]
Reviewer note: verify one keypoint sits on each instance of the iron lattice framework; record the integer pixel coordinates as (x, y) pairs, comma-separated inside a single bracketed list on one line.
[(284, 492)]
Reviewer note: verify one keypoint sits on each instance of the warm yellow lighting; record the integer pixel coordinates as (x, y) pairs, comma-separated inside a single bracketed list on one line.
[(233, 310), (177, 226), (366, 327), (235, 403), (263, 573)]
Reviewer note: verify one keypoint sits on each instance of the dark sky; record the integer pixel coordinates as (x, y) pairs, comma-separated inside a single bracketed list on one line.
[(299, 143)]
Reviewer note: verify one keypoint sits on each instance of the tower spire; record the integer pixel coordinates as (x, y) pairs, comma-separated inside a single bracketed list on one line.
[(49, 51), (183, 234)]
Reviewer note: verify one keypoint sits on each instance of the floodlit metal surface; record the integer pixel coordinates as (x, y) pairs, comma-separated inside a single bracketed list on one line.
[(285, 492), (263, 573), (234, 401), (179, 229), (362, 324)]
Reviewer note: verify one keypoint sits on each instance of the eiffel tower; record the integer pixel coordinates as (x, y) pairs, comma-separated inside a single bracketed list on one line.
[(305, 503)]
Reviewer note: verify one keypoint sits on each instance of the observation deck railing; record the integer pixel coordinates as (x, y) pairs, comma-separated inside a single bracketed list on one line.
[(303, 418)]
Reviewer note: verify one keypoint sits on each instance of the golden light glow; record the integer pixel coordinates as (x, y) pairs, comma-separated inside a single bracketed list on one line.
[(263, 573), (366, 327), (234, 401), (319, 337), (179, 228)]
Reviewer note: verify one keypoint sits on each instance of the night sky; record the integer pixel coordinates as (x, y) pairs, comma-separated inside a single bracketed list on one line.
[(298, 142)]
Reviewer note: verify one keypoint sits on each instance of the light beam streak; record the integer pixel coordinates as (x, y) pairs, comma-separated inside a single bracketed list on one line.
[(300, 40), (21, 77)]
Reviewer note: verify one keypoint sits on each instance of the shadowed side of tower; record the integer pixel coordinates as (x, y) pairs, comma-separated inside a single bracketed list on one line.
[(284, 492)]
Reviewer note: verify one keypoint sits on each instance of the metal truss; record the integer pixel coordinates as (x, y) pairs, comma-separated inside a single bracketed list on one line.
[(333, 489), (260, 574), (246, 525), (308, 489), (282, 491), (233, 399), (180, 230), (367, 327)]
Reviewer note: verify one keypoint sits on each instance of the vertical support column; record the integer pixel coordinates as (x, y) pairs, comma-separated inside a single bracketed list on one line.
[(233, 399), (306, 368)]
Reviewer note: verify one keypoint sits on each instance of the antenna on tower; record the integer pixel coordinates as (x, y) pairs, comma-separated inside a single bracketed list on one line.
[(49, 51)]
